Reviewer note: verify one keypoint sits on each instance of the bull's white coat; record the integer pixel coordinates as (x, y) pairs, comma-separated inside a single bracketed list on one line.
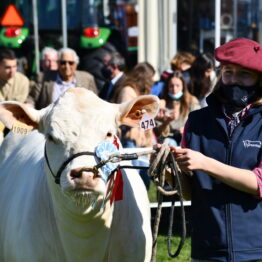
[(42, 221)]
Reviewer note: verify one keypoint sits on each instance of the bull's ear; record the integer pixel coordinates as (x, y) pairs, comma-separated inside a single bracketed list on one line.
[(131, 111), (11, 112)]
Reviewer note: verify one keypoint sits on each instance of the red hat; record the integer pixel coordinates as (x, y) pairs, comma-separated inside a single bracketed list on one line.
[(241, 51)]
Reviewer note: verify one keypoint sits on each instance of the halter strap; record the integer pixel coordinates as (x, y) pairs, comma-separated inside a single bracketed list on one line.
[(63, 166)]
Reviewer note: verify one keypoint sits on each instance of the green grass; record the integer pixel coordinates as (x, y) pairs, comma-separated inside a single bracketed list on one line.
[(152, 193), (162, 253)]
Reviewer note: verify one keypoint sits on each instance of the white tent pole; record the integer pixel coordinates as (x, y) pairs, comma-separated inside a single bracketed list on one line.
[(64, 22), (217, 24), (36, 38)]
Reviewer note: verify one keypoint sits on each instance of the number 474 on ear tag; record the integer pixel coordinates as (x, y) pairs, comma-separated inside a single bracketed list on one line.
[(147, 122)]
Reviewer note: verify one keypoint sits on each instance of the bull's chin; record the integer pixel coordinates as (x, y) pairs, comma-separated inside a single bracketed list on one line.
[(82, 196), (85, 198)]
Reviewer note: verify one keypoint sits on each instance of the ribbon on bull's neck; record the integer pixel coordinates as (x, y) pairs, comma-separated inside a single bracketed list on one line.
[(117, 191), (103, 151), (118, 188)]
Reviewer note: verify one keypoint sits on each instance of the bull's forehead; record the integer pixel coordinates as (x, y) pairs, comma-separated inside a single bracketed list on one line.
[(81, 115)]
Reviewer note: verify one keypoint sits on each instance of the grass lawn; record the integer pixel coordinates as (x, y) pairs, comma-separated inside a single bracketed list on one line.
[(162, 253), (152, 193)]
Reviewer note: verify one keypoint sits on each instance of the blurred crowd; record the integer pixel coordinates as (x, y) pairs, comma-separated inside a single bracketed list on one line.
[(181, 88)]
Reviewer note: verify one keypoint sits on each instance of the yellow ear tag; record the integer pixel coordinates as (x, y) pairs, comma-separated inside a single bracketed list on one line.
[(2, 127), (21, 128)]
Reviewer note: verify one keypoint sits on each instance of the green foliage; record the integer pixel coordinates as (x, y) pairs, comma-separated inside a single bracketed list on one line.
[(162, 253)]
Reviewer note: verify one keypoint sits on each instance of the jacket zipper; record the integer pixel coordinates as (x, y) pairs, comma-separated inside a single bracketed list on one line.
[(228, 208)]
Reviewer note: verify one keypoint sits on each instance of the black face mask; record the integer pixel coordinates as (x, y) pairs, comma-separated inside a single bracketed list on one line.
[(240, 96), (107, 73)]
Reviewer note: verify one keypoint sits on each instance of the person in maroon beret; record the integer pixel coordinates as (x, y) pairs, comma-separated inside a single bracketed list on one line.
[(222, 146)]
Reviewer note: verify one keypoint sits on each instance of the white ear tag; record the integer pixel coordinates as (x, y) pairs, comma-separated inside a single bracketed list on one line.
[(147, 122), (21, 128)]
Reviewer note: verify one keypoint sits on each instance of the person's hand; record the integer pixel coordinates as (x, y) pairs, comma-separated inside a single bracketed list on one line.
[(165, 116), (189, 160), (161, 114)]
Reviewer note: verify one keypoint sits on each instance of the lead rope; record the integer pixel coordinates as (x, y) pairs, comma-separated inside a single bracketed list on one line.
[(157, 172), (176, 174)]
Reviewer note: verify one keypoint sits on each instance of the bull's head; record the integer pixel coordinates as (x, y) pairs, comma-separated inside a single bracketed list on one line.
[(77, 122)]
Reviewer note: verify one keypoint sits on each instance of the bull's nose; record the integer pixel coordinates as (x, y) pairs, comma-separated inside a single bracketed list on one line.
[(83, 177), (80, 172), (76, 173)]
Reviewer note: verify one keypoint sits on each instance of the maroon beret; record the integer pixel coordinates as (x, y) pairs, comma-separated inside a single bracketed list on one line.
[(241, 51)]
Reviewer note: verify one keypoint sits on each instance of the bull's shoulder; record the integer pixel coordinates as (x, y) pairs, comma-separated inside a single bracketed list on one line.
[(15, 145)]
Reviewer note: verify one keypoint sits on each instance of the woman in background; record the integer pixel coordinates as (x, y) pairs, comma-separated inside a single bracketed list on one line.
[(202, 77), (182, 62), (138, 82), (176, 104)]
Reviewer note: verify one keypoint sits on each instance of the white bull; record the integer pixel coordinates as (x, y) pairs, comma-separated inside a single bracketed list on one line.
[(72, 221)]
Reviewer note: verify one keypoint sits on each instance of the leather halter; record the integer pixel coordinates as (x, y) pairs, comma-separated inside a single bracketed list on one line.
[(63, 166), (100, 163)]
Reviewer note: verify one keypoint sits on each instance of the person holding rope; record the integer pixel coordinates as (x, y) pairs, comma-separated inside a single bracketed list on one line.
[(222, 149)]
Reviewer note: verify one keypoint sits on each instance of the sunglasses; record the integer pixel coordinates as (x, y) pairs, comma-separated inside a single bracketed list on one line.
[(63, 62)]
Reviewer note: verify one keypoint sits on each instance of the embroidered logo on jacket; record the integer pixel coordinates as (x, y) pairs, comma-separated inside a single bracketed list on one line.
[(249, 143)]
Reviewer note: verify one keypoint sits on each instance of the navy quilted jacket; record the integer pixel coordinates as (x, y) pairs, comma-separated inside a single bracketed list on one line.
[(226, 223)]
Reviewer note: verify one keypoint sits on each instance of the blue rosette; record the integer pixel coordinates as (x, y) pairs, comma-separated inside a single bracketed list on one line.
[(103, 151)]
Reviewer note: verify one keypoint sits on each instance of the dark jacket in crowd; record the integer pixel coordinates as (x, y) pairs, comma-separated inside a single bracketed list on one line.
[(108, 96)]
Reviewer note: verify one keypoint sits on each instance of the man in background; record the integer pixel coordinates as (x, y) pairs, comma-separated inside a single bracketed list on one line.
[(51, 84), (114, 65), (49, 59), (13, 85)]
